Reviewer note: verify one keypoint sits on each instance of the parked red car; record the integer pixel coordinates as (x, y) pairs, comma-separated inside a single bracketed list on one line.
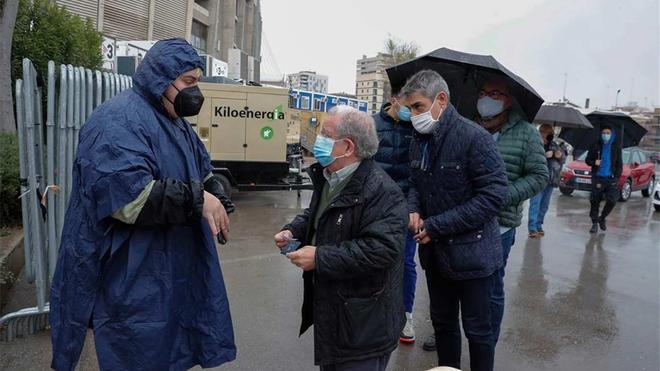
[(638, 174)]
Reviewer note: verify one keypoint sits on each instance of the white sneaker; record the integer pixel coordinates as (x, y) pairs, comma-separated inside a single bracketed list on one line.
[(408, 333)]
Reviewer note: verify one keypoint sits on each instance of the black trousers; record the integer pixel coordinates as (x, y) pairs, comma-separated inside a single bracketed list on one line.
[(603, 187), (369, 364), (473, 299)]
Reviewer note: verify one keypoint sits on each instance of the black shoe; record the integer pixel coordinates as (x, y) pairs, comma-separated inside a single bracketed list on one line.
[(602, 224), (429, 344), (594, 228)]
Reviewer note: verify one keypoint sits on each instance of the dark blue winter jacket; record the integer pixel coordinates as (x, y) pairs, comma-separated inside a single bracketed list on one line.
[(394, 146), (458, 188)]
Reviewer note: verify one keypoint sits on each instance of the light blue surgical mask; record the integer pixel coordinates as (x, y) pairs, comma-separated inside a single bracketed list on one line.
[(404, 113), (323, 150), (606, 137), (489, 107)]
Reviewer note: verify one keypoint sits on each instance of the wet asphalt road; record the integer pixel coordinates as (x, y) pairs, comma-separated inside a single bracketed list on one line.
[(574, 301)]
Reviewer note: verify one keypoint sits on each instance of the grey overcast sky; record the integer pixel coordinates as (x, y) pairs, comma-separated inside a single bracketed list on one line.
[(602, 45)]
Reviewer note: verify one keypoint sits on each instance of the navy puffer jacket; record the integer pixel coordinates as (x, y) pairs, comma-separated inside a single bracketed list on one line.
[(394, 145), (458, 189)]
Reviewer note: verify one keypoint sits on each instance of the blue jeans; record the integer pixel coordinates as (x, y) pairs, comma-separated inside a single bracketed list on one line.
[(538, 206), (409, 273), (497, 295)]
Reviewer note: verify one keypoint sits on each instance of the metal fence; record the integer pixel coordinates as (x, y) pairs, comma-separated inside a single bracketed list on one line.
[(72, 94)]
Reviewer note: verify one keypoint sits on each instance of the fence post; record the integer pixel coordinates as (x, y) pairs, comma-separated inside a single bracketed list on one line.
[(69, 130), (62, 152), (50, 137), (27, 237), (90, 94), (106, 87), (29, 76), (76, 110), (99, 88)]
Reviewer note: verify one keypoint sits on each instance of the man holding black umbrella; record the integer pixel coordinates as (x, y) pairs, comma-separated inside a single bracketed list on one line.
[(604, 157), (521, 149)]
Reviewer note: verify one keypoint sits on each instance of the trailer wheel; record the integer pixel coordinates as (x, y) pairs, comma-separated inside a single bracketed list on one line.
[(226, 184)]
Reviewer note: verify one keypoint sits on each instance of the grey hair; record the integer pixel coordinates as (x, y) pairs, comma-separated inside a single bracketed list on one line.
[(359, 127), (426, 82)]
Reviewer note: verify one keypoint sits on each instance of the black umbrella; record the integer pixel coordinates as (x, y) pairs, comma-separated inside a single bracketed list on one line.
[(627, 131), (562, 116), (465, 74)]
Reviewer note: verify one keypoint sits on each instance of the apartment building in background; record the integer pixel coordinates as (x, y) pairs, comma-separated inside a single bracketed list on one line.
[(228, 30), (371, 82), (309, 81)]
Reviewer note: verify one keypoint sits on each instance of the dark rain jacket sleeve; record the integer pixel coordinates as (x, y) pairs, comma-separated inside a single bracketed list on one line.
[(534, 175), (488, 177), (382, 228), (592, 155), (413, 197), (298, 226), (172, 201)]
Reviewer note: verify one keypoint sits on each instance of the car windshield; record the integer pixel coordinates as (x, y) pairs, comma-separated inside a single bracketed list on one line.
[(626, 156)]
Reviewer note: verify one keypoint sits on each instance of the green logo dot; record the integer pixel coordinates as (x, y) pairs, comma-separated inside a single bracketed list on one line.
[(267, 133)]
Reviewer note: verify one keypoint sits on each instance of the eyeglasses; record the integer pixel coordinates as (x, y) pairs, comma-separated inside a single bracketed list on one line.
[(495, 94)]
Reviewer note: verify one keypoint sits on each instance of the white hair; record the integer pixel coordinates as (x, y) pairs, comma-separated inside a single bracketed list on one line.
[(359, 127)]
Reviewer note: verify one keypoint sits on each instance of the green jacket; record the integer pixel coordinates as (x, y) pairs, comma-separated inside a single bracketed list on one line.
[(521, 149)]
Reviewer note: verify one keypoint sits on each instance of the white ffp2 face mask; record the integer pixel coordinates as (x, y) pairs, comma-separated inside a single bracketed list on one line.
[(424, 123), (489, 107)]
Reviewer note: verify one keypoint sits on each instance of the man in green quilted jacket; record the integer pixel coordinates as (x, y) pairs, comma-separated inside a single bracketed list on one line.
[(522, 151)]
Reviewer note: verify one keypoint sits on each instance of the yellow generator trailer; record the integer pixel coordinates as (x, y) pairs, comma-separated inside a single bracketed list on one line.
[(244, 129)]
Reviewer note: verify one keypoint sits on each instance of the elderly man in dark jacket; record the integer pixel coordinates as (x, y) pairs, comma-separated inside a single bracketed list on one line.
[(458, 185), (394, 135), (352, 256)]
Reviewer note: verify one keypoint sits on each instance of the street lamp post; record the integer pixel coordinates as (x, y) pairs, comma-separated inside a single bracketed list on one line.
[(616, 102)]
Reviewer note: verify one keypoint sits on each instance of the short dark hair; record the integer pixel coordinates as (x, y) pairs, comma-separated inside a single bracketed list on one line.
[(608, 127)]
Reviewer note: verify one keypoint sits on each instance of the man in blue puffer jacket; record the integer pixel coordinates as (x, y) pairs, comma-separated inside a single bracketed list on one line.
[(394, 135), (458, 185)]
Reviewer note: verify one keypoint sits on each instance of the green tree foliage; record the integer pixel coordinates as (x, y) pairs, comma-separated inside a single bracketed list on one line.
[(10, 205), (400, 50), (45, 31)]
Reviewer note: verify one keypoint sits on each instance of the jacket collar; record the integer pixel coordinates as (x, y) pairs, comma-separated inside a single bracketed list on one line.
[(514, 119), (354, 185)]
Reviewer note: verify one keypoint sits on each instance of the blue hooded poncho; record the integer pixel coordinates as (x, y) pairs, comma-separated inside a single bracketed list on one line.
[(155, 297)]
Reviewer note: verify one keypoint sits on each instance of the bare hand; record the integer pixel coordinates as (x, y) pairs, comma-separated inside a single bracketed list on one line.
[(304, 258), (548, 154), (597, 162), (215, 215), (415, 223), (558, 154), (422, 237), (283, 238)]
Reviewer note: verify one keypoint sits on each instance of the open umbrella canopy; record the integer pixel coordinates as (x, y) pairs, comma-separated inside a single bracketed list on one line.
[(627, 130), (562, 116), (465, 73)]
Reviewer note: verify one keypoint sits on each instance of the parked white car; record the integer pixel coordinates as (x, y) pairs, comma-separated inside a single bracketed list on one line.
[(656, 197)]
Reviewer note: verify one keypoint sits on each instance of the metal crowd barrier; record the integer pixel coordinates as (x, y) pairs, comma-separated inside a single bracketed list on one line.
[(46, 168)]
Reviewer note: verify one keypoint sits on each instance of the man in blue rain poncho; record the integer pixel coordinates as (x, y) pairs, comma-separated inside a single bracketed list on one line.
[(138, 262)]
